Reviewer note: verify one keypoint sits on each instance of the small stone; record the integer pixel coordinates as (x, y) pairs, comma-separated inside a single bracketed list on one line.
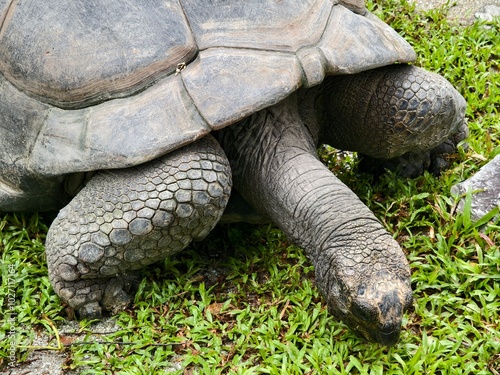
[(112, 262), (109, 252), (184, 184), (184, 167), (173, 187), (137, 205), (199, 185), (205, 164), (166, 195), (83, 268), (161, 187), (215, 190), (194, 174), (165, 241), (218, 167), (108, 217), (486, 185), (66, 293), (73, 229), (70, 260), (147, 245), (155, 235)]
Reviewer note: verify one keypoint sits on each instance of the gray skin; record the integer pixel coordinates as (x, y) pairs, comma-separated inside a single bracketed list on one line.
[(360, 269), (111, 120)]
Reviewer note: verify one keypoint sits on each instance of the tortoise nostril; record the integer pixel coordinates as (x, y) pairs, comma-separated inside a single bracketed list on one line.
[(390, 327)]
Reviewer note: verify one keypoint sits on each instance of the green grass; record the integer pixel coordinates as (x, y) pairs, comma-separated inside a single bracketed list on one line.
[(244, 302)]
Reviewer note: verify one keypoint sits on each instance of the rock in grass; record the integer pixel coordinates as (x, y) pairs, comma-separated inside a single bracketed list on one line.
[(485, 189)]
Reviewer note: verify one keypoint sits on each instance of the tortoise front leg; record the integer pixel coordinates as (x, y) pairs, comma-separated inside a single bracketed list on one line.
[(123, 220), (400, 117)]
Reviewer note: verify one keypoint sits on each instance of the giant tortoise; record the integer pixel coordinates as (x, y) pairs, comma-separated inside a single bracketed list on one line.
[(136, 119)]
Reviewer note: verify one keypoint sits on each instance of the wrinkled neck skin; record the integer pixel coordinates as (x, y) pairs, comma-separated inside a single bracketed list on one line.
[(360, 269)]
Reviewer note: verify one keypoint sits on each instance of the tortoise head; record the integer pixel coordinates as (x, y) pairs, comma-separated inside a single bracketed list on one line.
[(372, 295), (376, 313)]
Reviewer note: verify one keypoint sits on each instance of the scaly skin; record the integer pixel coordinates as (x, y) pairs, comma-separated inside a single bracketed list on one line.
[(360, 269), (400, 117), (388, 113), (126, 219)]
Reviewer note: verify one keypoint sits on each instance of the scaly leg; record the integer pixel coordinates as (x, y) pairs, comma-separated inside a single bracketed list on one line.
[(123, 220), (400, 117), (360, 269)]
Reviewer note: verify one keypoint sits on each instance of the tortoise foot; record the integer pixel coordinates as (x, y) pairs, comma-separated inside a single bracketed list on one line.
[(90, 298), (414, 164), (409, 165), (441, 155)]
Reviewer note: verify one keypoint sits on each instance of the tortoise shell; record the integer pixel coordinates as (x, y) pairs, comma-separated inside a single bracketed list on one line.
[(93, 85)]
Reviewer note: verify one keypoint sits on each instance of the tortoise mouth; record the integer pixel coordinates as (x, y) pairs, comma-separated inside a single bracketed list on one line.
[(388, 338)]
